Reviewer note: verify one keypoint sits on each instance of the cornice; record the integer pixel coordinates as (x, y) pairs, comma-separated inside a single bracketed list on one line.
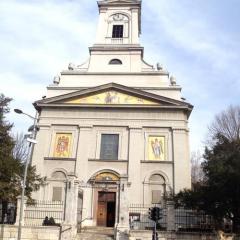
[(180, 129), (59, 159), (171, 88), (116, 48), (114, 106), (75, 72)]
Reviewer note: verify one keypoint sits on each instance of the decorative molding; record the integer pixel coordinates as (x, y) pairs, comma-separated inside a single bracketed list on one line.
[(75, 72), (59, 159), (139, 88), (158, 162), (180, 129), (85, 127), (104, 160), (118, 17), (135, 128)]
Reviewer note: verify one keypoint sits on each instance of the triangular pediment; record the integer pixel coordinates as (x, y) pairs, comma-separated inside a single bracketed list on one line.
[(111, 95)]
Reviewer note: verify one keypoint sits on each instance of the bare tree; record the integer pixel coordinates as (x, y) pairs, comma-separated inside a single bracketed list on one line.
[(227, 124), (20, 150), (196, 168)]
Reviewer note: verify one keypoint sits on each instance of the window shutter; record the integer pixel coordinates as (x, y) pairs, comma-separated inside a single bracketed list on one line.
[(57, 194)]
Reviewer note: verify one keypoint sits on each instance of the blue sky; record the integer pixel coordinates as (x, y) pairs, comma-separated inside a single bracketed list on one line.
[(196, 41)]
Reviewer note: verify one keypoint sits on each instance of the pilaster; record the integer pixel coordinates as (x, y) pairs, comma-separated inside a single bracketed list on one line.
[(135, 155), (83, 152), (181, 159)]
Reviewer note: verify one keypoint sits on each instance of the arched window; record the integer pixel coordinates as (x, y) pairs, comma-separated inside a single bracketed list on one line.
[(157, 178), (118, 27), (59, 175), (157, 187), (58, 185), (115, 62)]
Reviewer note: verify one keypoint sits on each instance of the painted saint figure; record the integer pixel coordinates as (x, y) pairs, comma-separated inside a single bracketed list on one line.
[(112, 99), (157, 148), (108, 98)]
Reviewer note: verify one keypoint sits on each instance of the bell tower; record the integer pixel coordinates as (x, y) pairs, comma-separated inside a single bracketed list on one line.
[(117, 47), (119, 22)]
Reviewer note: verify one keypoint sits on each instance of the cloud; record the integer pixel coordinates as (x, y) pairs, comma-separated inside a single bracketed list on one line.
[(194, 43), (198, 43), (38, 40)]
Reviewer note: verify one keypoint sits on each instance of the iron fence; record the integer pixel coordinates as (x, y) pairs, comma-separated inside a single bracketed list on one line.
[(36, 213), (186, 220), (7, 212), (139, 217), (193, 221)]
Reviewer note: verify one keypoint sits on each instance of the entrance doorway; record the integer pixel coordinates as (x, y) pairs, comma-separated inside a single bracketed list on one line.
[(106, 209)]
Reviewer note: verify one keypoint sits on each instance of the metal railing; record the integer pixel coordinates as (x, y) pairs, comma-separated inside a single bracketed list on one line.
[(138, 217), (36, 213), (186, 220), (193, 221), (117, 40)]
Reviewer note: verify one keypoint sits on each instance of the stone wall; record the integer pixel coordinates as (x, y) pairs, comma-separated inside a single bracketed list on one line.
[(147, 235), (8, 232)]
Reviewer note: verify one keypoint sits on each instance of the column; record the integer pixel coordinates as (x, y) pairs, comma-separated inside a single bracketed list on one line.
[(122, 228), (170, 216), (19, 200), (87, 214), (68, 229), (71, 201)]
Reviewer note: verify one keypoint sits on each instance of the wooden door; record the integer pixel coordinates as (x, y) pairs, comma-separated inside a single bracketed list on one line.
[(102, 214)]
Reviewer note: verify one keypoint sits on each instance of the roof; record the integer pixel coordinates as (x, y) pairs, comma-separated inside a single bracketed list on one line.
[(112, 95)]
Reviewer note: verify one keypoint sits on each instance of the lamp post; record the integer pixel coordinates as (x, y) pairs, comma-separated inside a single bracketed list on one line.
[(31, 141)]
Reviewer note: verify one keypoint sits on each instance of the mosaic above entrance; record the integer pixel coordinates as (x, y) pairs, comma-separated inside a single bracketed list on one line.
[(106, 176), (111, 97)]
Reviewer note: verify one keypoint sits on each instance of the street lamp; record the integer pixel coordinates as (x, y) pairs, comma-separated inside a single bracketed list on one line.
[(31, 141), (19, 111)]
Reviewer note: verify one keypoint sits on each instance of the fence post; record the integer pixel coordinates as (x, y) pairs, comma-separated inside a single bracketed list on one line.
[(170, 216), (18, 210)]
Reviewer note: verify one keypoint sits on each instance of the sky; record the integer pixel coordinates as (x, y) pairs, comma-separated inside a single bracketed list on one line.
[(197, 41)]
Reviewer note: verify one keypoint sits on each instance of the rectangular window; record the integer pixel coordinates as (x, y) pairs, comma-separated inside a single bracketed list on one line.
[(109, 146), (156, 196), (117, 31), (57, 194)]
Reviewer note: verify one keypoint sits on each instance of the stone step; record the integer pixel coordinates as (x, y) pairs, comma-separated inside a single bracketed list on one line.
[(99, 230), (95, 233), (93, 236)]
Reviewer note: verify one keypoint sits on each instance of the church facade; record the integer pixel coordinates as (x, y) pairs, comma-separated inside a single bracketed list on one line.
[(115, 124)]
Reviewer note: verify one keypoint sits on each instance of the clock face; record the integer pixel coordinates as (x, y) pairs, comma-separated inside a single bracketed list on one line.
[(118, 17)]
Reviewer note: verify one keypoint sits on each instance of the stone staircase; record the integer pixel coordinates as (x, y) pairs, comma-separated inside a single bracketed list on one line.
[(95, 233)]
